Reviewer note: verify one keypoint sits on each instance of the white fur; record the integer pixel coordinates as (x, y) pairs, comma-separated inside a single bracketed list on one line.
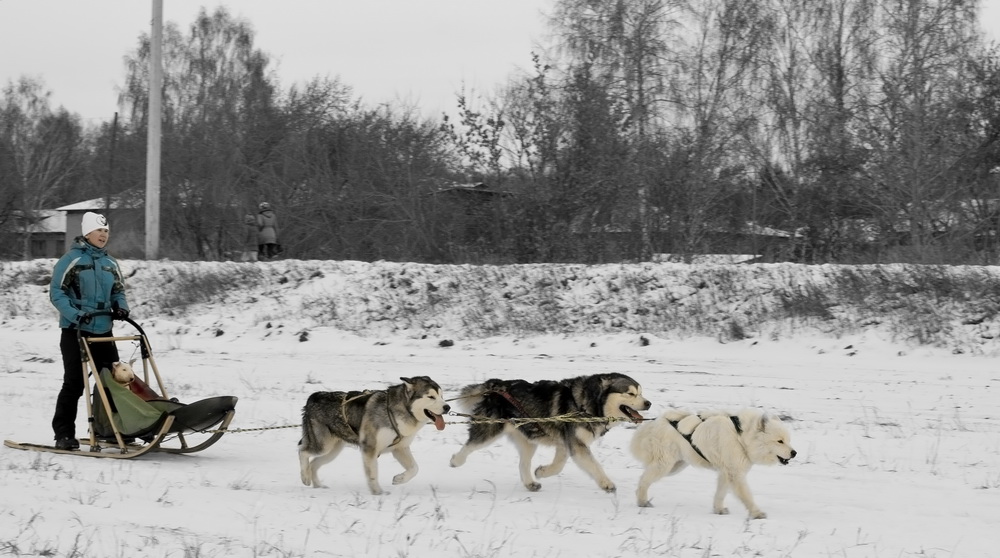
[(122, 372), (663, 450)]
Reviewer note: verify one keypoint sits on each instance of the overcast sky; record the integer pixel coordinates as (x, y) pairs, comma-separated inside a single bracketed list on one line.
[(419, 51)]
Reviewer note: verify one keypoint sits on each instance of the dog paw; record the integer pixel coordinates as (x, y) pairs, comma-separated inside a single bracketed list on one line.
[(401, 478), (610, 488), (722, 511), (457, 460), (646, 504), (534, 486), (758, 515)]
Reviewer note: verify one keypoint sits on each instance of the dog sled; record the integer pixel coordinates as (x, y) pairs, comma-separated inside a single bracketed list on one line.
[(128, 419)]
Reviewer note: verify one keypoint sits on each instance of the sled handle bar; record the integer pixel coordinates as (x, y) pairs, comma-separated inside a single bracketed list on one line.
[(143, 346)]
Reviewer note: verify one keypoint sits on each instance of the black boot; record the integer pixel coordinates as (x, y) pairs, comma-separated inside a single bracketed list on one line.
[(67, 443)]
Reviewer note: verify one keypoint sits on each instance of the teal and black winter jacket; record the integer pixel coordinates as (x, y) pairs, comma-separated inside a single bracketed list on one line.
[(85, 280)]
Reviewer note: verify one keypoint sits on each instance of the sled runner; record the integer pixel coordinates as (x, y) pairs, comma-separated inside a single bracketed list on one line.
[(132, 419)]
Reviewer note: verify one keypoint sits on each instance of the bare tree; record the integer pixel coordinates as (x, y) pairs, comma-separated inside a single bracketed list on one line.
[(923, 74), (43, 150), (625, 47), (710, 110), (821, 65)]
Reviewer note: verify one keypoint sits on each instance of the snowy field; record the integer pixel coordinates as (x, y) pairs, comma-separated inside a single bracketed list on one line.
[(898, 451)]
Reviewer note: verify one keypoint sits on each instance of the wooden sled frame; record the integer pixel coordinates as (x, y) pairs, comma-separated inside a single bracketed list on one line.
[(154, 439), (148, 365)]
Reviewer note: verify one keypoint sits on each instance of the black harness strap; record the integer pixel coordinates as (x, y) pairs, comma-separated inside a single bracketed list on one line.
[(526, 428), (510, 399), (388, 409), (736, 423), (343, 408), (392, 420), (689, 440)]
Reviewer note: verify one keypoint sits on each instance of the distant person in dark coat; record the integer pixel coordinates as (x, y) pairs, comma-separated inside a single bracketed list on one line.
[(84, 281), (267, 232)]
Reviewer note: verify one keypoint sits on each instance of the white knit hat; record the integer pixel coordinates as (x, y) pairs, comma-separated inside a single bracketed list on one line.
[(91, 222)]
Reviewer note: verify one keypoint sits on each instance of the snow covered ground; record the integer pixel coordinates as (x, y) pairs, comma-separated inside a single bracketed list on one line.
[(899, 445)]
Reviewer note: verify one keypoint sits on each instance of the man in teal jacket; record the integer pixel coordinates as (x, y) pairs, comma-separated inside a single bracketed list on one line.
[(85, 280)]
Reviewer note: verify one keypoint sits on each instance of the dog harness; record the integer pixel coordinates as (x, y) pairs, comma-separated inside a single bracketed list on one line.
[(392, 420), (369, 393), (513, 401), (530, 429), (736, 423)]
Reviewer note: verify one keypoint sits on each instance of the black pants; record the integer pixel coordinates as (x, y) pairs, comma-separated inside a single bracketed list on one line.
[(64, 420)]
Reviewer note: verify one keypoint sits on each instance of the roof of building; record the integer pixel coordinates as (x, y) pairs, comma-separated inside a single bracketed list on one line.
[(478, 188), (125, 200), (49, 221)]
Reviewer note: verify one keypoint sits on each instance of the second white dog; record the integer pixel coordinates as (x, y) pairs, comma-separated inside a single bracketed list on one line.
[(728, 443)]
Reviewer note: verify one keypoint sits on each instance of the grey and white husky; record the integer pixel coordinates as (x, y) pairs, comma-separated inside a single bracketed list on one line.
[(375, 421), (596, 396)]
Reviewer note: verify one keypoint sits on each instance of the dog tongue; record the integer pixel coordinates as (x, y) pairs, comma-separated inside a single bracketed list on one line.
[(635, 416), (439, 422)]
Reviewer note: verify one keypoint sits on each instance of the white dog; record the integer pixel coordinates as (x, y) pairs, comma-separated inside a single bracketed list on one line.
[(122, 372), (727, 443)]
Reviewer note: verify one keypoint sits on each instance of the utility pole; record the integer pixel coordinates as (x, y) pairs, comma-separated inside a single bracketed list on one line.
[(153, 134), (111, 166)]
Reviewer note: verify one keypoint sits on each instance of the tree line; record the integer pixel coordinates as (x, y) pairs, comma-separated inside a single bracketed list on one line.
[(841, 131)]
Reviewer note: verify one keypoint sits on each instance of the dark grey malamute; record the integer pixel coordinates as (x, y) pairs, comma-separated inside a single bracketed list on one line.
[(594, 396)]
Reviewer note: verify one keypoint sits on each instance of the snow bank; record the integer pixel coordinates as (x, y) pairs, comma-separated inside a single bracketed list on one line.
[(954, 307)]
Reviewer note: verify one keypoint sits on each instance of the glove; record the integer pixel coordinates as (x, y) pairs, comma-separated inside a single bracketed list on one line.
[(84, 319), (119, 313)]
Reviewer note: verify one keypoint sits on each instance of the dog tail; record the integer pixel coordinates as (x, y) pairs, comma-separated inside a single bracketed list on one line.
[(683, 421), (313, 429), (675, 415), (310, 440), (471, 396)]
